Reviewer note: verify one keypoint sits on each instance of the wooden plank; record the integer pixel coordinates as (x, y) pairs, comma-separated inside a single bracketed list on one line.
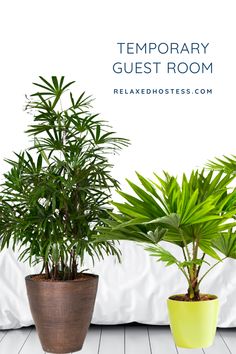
[(2, 334), (218, 347), (229, 337), (137, 340), (14, 340), (189, 351), (129, 339), (92, 340), (112, 340), (32, 345), (161, 340)]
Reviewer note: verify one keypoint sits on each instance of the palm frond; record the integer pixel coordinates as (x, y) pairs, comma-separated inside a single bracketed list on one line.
[(226, 164), (162, 255), (226, 243)]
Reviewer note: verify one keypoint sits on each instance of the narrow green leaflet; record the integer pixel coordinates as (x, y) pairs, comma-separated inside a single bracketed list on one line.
[(162, 255), (226, 243)]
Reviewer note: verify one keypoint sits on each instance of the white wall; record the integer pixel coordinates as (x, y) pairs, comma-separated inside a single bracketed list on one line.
[(78, 39)]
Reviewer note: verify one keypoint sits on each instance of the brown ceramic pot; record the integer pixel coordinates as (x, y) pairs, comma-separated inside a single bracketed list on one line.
[(62, 311)]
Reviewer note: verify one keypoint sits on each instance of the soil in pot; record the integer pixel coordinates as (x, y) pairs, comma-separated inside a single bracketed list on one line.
[(203, 297)]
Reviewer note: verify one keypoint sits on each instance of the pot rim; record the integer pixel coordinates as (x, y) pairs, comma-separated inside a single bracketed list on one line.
[(29, 278), (213, 298)]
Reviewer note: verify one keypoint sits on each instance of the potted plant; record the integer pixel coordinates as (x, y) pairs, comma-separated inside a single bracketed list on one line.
[(51, 201), (195, 215)]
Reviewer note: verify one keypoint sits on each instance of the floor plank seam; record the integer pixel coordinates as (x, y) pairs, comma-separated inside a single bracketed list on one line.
[(100, 338), (224, 342), (124, 339), (3, 336), (149, 340), (25, 340)]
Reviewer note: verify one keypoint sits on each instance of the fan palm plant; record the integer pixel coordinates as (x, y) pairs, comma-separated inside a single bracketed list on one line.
[(194, 214)]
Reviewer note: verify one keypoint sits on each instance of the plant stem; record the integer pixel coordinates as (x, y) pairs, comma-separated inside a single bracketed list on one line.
[(74, 265), (186, 275), (185, 244), (200, 265), (221, 260), (194, 266), (185, 257), (195, 249), (47, 273)]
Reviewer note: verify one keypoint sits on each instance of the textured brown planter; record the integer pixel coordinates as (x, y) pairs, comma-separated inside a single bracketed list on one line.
[(62, 311)]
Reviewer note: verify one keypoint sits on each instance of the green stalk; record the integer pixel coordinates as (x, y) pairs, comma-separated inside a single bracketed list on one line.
[(185, 245), (57, 98), (195, 252), (200, 265), (185, 274), (221, 260), (185, 257)]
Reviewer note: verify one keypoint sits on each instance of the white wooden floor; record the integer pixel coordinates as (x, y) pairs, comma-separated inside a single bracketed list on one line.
[(127, 339)]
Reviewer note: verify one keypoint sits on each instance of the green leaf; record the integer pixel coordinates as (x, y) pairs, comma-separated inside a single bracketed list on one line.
[(157, 235), (226, 243), (55, 82), (153, 206), (48, 85), (162, 255), (226, 164), (55, 253), (197, 261), (206, 247), (191, 204)]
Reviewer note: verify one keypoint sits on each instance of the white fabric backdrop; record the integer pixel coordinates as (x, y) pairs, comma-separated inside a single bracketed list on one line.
[(135, 290)]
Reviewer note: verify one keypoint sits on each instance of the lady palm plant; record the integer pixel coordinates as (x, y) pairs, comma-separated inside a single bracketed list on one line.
[(56, 192), (194, 215)]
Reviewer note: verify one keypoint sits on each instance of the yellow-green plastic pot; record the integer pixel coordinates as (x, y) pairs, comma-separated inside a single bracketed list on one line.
[(193, 324)]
